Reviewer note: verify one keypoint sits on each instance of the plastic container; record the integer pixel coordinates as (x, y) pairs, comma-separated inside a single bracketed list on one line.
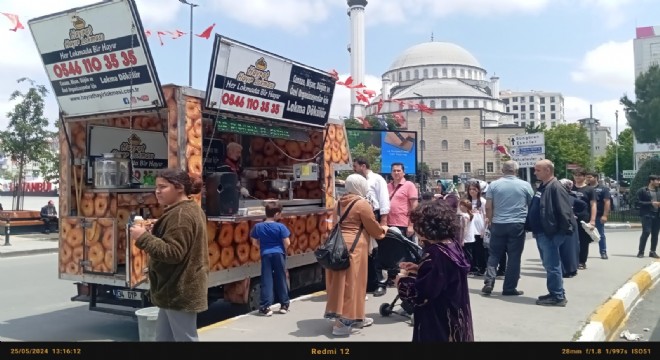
[(147, 323)]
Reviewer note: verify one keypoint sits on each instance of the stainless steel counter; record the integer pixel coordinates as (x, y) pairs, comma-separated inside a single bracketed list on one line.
[(290, 211)]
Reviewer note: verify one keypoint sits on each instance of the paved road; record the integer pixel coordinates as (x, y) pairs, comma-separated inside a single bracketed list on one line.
[(645, 318), (36, 306)]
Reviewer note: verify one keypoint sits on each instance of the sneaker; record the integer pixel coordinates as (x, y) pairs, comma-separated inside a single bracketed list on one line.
[(364, 323), (552, 301), (545, 297), (380, 291), (513, 292), (343, 330), (265, 312), (366, 298), (487, 289), (603, 256), (654, 255), (582, 267), (640, 254), (284, 309)]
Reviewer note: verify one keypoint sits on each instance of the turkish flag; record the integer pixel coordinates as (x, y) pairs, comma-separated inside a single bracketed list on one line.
[(15, 22), (161, 39), (206, 33), (347, 83)]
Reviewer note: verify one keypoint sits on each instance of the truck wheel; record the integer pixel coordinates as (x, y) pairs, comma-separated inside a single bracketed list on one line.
[(254, 295)]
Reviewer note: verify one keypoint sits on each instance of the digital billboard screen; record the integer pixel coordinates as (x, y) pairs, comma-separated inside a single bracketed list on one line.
[(388, 146)]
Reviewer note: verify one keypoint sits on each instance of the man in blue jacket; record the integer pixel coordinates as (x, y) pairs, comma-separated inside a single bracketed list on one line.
[(550, 220), (649, 200)]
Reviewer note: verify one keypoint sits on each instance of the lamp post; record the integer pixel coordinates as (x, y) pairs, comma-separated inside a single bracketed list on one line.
[(190, 50), (616, 146), (422, 124), (483, 126)]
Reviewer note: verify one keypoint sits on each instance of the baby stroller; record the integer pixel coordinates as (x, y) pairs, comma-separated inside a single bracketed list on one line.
[(392, 250)]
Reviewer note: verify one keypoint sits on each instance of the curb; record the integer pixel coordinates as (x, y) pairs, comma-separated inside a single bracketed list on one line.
[(608, 317), (28, 252)]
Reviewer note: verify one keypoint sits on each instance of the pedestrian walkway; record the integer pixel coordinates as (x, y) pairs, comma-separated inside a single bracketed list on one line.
[(29, 244), (496, 317)]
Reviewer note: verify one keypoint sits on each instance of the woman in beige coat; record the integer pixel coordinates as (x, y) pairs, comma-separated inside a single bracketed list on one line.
[(346, 289)]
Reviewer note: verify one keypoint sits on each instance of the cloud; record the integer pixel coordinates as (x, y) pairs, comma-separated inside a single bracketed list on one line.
[(610, 65), (23, 59), (576, 108), (341, 101)]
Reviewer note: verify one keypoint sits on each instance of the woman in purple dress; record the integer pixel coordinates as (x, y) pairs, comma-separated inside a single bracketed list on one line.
[(438, 286)]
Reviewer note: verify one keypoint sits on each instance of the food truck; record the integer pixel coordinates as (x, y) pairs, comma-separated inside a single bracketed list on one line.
[(120, 127)]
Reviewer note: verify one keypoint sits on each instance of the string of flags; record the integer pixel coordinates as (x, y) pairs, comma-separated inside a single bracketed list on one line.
[(16, 25)]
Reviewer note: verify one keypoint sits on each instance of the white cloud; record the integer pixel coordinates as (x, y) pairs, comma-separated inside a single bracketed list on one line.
[(341, 101), (610, 65), (576, 108)]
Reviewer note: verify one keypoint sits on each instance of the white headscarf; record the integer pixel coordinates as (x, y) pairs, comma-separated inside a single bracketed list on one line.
[(356, 184)]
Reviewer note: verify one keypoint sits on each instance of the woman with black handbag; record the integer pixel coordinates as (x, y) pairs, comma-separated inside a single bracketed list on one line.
[(347, 288)]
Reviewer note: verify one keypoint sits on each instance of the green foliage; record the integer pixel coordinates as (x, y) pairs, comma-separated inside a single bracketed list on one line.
[(26, 137), (649, 167), (49, 165), (644, 113), (353, 124), (370, 152), (529, 129), (374, 123), (607, 163), (567, 144)]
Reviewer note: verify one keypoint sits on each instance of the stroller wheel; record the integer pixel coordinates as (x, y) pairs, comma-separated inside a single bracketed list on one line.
[(385, 309)]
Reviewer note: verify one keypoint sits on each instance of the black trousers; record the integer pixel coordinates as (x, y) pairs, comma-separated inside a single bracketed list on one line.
[(372, 274), (585, 240), (48, 224), (477, 255), (650, 226)]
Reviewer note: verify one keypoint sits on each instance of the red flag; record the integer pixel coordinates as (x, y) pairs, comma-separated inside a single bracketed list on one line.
[(161, 39), (347, 83), (15, 22), (147, 33), (177, 34), (423, 108), (369, 93), (361, 98), (334, 74), (358, 86), (206, 33), (379, 106)]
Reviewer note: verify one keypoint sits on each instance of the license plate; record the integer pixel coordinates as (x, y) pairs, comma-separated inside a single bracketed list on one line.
[(128, 295)]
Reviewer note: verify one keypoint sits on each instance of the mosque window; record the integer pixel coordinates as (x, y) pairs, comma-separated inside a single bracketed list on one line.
[(454, 104), (432, 104), (443, 104), (435, 72), (453, 73), (476, 103), (444, 146), (426, 74), (416, 74), (444, 72), (470, 74), (466, 104), (462, 73), (400, 76), (467, 167), (443, 122), (444, 167), (407, 74), (466, 123)]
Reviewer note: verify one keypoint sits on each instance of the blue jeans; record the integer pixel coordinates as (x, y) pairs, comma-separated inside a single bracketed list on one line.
[(273, 280), (506, 239), (549, 250), (602, 245)]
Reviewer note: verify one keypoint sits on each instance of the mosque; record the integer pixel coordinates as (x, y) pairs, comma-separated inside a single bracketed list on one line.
[(467, 119)]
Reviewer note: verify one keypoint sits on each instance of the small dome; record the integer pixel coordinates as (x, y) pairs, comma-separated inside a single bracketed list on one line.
[(434, 53)]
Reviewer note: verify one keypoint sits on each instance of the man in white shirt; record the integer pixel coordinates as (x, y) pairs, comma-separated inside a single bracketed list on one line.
[(379, 198)]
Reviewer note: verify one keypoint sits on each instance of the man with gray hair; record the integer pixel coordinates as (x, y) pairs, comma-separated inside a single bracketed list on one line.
[(507, 202)]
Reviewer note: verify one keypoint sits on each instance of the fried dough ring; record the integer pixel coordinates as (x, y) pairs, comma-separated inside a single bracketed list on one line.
[(87, 205), (96, 254), (255, 253), (72, 268), (331, 132), (137, 266), (107, 239), (314, 239), (243, 252), (299, 226), (122, 216), (293, 149), (75, 237), (339, 135), (269, 148), (77, 254), (214, 253), (211, 231), (241, 232), (108, 259), (306, 147), (227, 256), (317, 138), (257, 144), (93, 233), (226, 235), (310, 224), (195, 164), (65, 253), (101, 204)]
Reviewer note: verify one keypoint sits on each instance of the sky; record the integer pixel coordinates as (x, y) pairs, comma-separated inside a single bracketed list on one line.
[(580, 48)]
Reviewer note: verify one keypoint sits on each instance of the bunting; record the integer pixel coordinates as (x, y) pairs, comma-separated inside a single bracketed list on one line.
[(15, 22)]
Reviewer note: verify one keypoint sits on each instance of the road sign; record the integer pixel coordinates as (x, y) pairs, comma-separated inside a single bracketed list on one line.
[(527, 150), (527, 161), (572, 166), (629, 174), (536, 139)]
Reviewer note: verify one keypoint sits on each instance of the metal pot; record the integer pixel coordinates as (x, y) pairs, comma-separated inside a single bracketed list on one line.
[(279, 185)]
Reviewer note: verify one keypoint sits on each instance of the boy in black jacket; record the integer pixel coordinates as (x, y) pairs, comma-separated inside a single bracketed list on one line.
[(649, 201)]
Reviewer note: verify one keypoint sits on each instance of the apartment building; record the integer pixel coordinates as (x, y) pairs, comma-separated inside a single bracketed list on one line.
[(534, 107)]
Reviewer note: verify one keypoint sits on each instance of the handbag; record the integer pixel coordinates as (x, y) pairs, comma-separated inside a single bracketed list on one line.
[(333, 254), (591, 231)]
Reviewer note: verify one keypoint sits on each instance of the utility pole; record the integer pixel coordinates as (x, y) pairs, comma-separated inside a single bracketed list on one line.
[(190, 50), (591, 128), (616, 146)]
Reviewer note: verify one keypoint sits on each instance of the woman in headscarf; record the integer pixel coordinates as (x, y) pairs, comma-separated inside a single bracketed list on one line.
[(569, 251), (347, 288)]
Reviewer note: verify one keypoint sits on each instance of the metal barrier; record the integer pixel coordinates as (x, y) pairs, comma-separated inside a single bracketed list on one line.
[(628, 215)]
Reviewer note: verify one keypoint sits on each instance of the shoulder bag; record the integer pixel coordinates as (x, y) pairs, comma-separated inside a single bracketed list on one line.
[(333, 254)]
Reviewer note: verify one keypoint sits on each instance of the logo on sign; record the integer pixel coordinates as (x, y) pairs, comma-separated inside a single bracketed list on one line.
[(135, 148), (257, 74), (81, 34), (134, 99)]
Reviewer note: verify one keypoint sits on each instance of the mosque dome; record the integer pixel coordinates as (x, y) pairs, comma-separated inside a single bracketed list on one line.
[(434, 53)]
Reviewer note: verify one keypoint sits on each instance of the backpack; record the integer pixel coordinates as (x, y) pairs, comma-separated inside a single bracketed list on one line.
[(333, 254)]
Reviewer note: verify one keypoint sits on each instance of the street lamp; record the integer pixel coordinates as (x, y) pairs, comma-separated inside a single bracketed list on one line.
[(483, 125), (616, 145), (190, 51), (422, 125)]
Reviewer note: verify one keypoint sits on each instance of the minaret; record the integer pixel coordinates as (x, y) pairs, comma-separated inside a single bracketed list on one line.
[(356, 14)]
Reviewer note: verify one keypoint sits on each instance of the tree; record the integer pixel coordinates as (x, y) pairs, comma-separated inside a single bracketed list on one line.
[(529, 129), (49, 166), (644, 113), (26, 137), (567, 144), (607, 163), (374, 123), (649, 167)]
